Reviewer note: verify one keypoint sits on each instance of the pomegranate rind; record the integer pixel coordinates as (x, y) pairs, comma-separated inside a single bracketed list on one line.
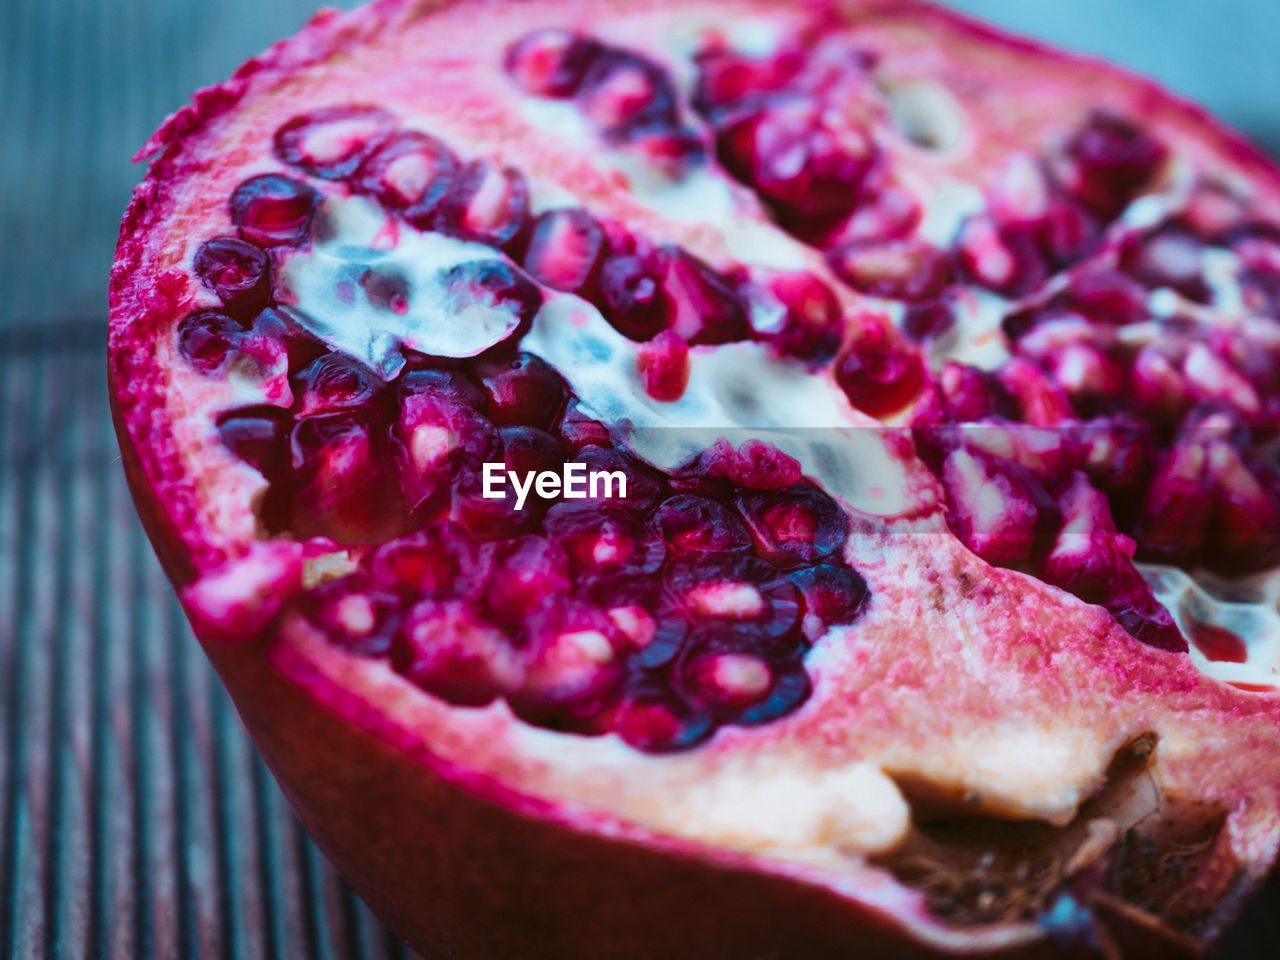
[(484, 862)]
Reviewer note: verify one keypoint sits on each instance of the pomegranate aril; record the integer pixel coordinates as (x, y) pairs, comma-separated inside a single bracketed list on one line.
[(344, 484), (704, 306), (691, 524), (928, 320), (632, 295), (550, 62), (1041, 402), (910, 270), (332, 142), (1243, 533), (525, 389), (565, 248), (999, 510), (656, 720), (879, 373), (830, 594), (727, 682), (1106, 296), (645, 487), (727, 79), (488, 518), (526, 573), (280, 326), (273, 210), (530, 450), (741, 600), (1117, 451), (1177, 506), (485, 202), (1067, 233), (604, 540), (455, 386), (237, 271), (1004, 260), (805, 164), (353, 617), (755, 465), (449, 650), (798, 525), (622, 93), (810, 323), (411, 172), (1112, 160), (208, 339), (256, 435), (572, 668), (577, 430), (663, 364), (332, 382), (791, 688), (437, 562)]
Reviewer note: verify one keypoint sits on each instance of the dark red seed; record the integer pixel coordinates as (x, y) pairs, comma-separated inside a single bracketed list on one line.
[(603, 540), (280, 325), (332, 142), (829, 595), (573, 667), (530, 450), (273, 210), (353, 617), (622, 92), (805, 164), (449, 650), (910, 270), (411, 171), (527, 573), (798, 525), (656, 720), (692, 524), (727, 78), (739, 599), (634, 300), (486, 203), (256, 435), (1170, 257), (565, 247), (704, 306), (238, 272), (879, 374), (928, 320), (550, 62), (525, 389), (645, 487), (1002, 259), (811, 324), (1113, 160), (344, 484), (437, 562), (333, 381), (577, 430), (663, 364), (208, 339)]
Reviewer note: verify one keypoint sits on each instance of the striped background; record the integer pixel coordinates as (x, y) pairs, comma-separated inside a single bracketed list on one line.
[(135, 819)]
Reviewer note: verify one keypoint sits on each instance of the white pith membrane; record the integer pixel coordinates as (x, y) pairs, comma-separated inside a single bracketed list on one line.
[(751, 790)]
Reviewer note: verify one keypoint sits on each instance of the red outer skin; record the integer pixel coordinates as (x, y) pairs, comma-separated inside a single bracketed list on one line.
[(496, 876)]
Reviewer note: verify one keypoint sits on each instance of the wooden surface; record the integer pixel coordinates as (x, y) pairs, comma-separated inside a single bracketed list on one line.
[(135, 819)]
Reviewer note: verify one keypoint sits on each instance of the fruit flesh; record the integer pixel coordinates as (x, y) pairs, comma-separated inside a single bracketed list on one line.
[(880, 673)]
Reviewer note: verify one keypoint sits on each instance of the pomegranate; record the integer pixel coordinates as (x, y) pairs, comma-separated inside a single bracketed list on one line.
[(724, 478)]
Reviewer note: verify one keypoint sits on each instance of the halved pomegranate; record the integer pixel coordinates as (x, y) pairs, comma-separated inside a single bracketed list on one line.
[(728, 478)]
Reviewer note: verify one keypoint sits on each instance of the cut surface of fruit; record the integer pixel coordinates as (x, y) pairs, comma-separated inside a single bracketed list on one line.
[(686, 465)]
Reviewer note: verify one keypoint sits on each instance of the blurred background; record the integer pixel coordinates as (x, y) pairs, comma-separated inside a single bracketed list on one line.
[(135, 820)]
